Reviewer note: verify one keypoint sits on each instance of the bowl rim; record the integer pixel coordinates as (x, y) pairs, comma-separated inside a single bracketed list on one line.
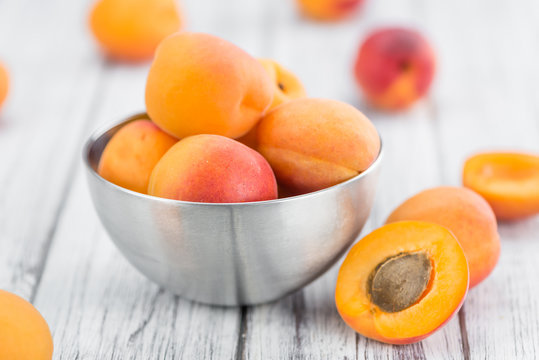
[(101, 130)]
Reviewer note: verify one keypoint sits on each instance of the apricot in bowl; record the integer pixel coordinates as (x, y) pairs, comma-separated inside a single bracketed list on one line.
[(402, 282), (230, 253)]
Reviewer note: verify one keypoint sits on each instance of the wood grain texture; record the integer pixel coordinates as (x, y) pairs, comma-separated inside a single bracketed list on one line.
[(54, 251)]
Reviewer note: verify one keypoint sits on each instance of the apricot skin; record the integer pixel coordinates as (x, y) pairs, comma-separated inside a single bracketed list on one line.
[(24, 334), (131, 154), (328, 10), (4, 84), (212, 169), (508, 181), (130, 30), (443, 297), (394, 68), (312, 144), (467, 215), (201, 84), (287, 86)]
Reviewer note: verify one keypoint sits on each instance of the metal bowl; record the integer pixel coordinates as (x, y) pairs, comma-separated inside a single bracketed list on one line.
[(230, 254)]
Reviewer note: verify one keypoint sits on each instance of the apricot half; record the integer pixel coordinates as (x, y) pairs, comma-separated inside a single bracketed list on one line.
[(394, 67), (467, 215), (201, 84), (24, 334), (312, 144), (4, 84), (508, 181), (131, 154), (402, 282), (132, 29), (214, 169)]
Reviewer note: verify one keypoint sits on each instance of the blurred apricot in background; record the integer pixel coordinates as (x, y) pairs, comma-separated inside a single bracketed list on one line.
[(24, 334), (395, 68), (328, 10), (130, 30), (4, 84)]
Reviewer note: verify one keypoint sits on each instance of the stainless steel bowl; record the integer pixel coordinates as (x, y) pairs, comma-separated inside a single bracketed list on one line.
[(230, 254)]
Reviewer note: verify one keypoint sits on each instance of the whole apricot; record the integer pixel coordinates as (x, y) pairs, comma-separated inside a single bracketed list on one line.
[(201, 84), (395, 67), (131, 154), (467, 215), (212, 169), (131, 29), (312, 144), (402, 282), (509, 181), (328, 10), (24, 334), (4, 84), (287, 86)]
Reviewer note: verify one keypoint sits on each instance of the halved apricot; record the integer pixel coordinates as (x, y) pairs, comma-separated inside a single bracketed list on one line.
[(508, 181), (402, 282)]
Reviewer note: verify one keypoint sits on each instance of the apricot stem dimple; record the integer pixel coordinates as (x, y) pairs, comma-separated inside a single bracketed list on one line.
[(281, 86), (399, 281)]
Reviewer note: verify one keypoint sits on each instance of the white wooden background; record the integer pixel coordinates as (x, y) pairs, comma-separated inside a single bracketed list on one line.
[(54, 252)]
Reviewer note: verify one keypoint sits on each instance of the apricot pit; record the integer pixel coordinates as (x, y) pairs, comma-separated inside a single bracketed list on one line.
[(399, 281)]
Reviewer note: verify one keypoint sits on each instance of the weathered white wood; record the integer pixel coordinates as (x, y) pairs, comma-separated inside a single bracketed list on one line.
[(53, 81)]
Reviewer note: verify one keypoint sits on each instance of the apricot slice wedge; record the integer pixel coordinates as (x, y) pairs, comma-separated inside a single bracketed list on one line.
[(508, 181), (402, 282)]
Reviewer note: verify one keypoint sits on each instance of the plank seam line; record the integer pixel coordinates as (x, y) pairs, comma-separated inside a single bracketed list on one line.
[(242, 334)]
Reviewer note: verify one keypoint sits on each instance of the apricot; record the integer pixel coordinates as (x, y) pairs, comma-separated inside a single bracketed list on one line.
[(467, 215), (201, 84), (287, 86), (328, 10), (213, 169), (508, 181), (402, 282), (312, 144), (24, 334), (394, 68), (131, 29), (131, 154), (4, 84)]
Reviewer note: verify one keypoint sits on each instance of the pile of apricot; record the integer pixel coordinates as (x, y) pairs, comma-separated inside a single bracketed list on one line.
[(224, 127)]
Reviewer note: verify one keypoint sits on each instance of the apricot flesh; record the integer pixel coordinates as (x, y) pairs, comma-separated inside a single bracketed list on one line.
[(467, 215), (213, 169), (312, 144), (328, 10), (4, 84), (399, 281), (508, 181), (131, 154), (24, 334), (402, 282), (201, 84), (131, 29), (394, 68)]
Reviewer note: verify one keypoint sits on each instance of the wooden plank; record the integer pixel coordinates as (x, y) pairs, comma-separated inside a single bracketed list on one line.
[(488, 101), (52, 91)]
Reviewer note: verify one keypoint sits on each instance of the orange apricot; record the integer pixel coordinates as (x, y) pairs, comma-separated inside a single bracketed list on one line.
[(131, 29), (201, 84), (4, 84), (131, 154), (467, 215), (508, 181), (213, 169), (312, 144), (402, 282), (287, 86), (395, 67), (328, 10), (24, 334)]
